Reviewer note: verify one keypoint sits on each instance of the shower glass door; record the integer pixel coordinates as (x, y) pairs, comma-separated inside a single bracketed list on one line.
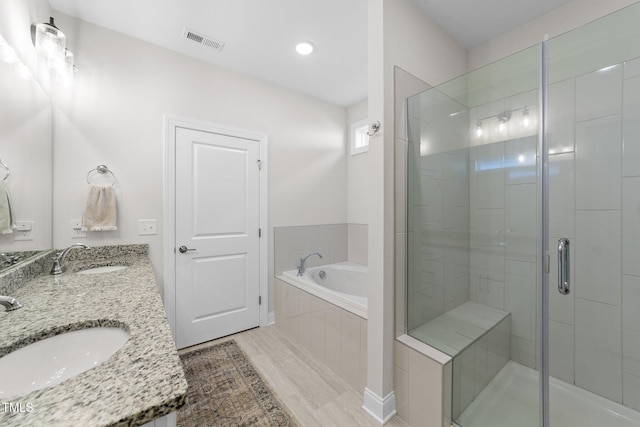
[(593, 136), (524, 175), (473, 234)]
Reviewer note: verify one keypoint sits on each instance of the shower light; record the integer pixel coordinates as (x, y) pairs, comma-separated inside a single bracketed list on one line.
[(479, 131), (304, 48), (502, 121), (526, 121), (49, 40)]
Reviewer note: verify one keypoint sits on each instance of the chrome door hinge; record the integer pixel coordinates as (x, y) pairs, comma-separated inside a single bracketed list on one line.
[(259, 232), (546, 264), (259, 299), (259, 164)]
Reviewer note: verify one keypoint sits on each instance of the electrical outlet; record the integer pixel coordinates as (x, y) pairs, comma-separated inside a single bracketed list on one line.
[(76, 229), (24, 230), (147, 227)]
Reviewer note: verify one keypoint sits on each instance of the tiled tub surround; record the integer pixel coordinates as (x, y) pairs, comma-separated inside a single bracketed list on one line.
[(143, 381), (333, 336), (336, 243)]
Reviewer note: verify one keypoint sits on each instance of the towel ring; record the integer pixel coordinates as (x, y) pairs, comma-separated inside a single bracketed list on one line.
[(101, 169), (7, 173)]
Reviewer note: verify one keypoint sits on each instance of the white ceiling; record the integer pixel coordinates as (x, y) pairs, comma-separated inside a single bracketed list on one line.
[(260, 35), (472, 22)]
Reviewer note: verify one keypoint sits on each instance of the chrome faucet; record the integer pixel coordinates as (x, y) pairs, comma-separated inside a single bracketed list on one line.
[(9, 259), (10, 303), (58, 258), (303, 260)]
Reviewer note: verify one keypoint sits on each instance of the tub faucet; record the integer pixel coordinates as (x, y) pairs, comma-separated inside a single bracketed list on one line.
[(58, 258), (10, 303), (303, 260)]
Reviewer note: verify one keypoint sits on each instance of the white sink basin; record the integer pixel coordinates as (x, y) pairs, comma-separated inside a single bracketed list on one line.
[(100, 270), (50, 361)]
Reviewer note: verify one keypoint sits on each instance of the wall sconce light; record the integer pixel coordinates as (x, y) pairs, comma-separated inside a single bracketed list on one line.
[(50, 43), (479, 130)]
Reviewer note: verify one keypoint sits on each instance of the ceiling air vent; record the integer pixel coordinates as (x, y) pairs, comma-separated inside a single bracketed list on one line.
[(203, 40)]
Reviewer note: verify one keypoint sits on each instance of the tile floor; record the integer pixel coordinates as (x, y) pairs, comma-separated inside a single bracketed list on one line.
[(314, 394)]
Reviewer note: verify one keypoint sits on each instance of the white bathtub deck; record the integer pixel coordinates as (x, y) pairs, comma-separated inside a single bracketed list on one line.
[(511, 399)]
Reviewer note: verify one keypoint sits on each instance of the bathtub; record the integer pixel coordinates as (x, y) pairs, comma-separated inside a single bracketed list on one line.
[(344, 284)]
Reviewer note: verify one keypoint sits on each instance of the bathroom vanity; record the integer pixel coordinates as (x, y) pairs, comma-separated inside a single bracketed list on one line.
[(142, 383)]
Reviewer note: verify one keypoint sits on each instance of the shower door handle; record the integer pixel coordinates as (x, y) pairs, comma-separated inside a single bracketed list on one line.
[(563, 266)]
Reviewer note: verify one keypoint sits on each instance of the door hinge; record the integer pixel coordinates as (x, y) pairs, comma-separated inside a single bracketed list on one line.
[(259, 164), (259, 299), (259, 232), (546, 264)]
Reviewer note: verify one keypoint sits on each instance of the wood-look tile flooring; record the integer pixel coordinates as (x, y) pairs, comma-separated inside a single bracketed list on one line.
[(315, 395)]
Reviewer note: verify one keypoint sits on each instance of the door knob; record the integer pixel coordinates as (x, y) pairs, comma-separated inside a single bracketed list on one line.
[(184, 249)]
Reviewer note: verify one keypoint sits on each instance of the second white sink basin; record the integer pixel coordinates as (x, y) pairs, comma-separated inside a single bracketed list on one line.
[(105, 269), (50, 361)]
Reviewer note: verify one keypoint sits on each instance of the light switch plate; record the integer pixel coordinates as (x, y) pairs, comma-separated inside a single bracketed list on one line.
[(147, 227)]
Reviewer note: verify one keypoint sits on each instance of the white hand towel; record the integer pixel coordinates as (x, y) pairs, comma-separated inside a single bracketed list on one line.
[(6, 214), (100, 211)]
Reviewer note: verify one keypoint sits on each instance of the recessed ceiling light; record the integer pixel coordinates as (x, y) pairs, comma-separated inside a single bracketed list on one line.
[(304, 48)]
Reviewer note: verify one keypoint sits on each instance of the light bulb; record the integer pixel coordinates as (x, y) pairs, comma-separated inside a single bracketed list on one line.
[(304, 48), (526, 121), (479, 130), (502, 121), (50, 41)]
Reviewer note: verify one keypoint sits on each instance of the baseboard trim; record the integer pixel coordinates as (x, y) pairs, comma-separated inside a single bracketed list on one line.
[(382, 409), (272, 318)]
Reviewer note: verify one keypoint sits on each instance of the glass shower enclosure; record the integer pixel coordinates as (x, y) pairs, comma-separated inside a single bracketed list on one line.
[(524, 231)]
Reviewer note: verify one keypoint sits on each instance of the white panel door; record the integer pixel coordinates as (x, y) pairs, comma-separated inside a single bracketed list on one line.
[(217, 242)]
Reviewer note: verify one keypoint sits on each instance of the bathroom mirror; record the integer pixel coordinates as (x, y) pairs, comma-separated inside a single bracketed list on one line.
[(26, 149)]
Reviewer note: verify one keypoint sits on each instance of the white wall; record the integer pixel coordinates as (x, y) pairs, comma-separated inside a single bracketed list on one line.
[(113, 115), (558, 21), (400, 34), (357, 186), (16, 17), (25, 126)]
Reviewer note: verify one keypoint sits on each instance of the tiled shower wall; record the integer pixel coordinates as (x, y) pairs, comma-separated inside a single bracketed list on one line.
[(503, 241), (595, 202), (594, 127), (438, 235)]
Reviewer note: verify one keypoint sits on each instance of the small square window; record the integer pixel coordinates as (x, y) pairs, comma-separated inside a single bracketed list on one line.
[(358, 137)]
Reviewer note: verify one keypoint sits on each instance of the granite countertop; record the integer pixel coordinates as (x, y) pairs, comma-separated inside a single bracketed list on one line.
[(144, 380)]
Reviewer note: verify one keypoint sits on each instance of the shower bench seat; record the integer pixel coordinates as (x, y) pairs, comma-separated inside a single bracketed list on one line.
[(457, 329), (478, 338)]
